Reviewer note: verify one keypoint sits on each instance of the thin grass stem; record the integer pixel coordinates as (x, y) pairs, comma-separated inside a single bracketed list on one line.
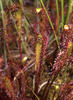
[(20, 1), (57, 8), (62, 13), (4, 26), (69, 11), (50, 23)]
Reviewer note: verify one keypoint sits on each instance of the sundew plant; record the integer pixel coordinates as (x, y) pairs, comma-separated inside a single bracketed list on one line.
[(36, 49)]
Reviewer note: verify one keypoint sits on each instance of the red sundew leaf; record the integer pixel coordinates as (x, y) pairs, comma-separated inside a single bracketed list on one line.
[(71, 58), (45, 45), (69, 97), (9, 87), (66, 44), (66, 91)]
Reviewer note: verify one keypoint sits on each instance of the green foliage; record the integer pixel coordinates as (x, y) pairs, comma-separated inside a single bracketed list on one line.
[(34, 60), (50, 23), (69, 10), (4, 27), (9, 87), (20, 1), (62, 13), (57, 7)]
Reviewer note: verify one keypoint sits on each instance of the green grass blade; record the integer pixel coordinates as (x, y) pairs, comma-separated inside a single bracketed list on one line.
[(4, 26), (11, 2), (20, 1), (57, 7), (50, 22), (69, 10), (24, 45), (35, 95), (7, 2), (62, 13)]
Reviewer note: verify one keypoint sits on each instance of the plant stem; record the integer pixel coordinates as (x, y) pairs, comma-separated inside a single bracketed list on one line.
[(50, 23), (69, 11), (4, 26), (62, 13), (57, 8)]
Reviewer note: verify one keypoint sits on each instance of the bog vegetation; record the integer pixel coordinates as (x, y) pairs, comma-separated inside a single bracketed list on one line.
[(36, 49)]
